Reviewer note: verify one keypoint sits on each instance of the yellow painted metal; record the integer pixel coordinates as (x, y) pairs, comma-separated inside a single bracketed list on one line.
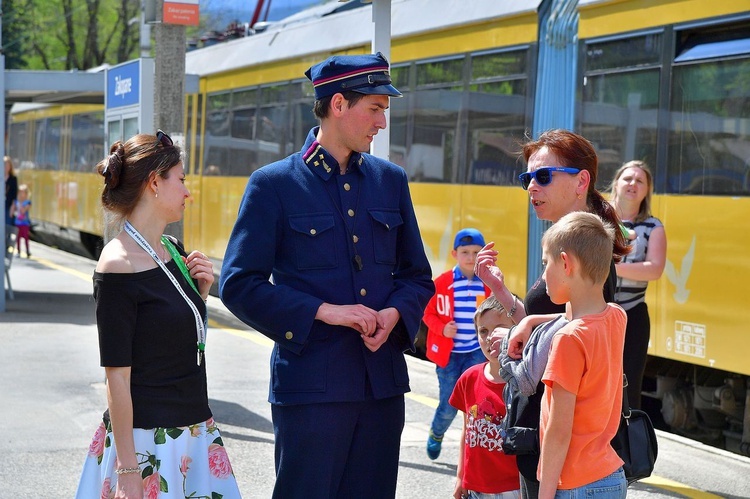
[(619, 16), (500, 213), (699, 306), (502, 33)]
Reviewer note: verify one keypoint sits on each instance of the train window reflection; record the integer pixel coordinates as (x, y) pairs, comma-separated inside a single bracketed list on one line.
[(48, 143), (497, 117), (86, 148), (709, 129), (619, 117)]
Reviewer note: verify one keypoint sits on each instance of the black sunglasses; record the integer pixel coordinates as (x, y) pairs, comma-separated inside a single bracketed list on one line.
[(543, 175), (165, 139)]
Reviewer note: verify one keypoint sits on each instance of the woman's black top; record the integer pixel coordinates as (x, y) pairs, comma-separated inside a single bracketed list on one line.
[(145, 323)]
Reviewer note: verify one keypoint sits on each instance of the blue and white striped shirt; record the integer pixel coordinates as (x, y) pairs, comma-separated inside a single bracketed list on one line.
[(467, 295)]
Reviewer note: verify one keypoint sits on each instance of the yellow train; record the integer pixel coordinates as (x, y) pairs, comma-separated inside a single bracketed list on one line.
[(664, 81)]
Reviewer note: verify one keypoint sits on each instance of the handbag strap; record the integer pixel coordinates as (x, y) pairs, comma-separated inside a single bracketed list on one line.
[(625, 403)]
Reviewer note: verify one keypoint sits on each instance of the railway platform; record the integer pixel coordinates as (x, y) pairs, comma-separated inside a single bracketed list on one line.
[(53, 394)]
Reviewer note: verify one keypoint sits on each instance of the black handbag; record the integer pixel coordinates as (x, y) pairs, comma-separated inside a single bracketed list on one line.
[(517, 440), (635, 441)]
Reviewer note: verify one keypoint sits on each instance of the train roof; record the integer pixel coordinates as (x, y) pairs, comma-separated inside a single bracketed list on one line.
[(313, 31)]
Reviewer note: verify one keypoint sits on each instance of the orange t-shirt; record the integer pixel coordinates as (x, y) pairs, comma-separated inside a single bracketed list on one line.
[(586, 359)]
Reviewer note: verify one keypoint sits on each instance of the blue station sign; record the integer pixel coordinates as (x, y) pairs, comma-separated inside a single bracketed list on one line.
[(124, 85)]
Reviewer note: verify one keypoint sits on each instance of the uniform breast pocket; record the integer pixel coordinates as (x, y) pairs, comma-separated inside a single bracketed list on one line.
[(385, 228), (313, 239)]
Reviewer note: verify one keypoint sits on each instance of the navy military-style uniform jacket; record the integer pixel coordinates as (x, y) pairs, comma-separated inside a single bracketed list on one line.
[(312, 229)]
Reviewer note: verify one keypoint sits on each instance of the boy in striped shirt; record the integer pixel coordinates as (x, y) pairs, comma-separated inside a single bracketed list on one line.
[(451, 339)]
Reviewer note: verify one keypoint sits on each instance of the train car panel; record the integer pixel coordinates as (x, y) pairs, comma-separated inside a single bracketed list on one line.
[(605, 17), (701, 321), (485, 36)]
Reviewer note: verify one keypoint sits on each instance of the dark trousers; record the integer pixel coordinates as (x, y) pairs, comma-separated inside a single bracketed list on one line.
[(637, 334), (529, 488), (338, 450)]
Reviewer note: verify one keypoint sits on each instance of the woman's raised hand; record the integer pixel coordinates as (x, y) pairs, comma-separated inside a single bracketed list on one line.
[(485, 267)]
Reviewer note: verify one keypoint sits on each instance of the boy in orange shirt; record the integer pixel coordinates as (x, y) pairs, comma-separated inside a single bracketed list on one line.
[(583, 378)]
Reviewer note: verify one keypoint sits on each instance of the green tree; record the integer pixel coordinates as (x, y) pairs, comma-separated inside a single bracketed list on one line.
[(15, 43), (77, 34)]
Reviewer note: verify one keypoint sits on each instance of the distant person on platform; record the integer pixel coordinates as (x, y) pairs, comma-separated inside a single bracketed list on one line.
[(11, 189), (21, 214), (335, 229)]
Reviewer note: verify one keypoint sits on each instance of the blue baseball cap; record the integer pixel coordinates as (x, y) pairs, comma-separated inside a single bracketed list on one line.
[(366, 74), (467, 237)]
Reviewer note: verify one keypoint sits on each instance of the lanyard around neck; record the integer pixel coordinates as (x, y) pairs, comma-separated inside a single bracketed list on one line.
[(199, 324)]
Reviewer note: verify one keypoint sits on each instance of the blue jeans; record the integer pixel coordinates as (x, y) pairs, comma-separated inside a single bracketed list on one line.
[(447, 377), (614, 486)]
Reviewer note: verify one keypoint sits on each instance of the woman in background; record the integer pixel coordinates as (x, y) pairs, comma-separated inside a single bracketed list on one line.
[(11, 189), (631, 197)]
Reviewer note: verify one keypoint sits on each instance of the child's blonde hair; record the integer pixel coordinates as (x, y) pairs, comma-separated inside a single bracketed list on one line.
[(24, 188), (490, 303), (586, 237)]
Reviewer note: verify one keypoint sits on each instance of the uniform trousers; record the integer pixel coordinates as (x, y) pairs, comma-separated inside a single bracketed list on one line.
[(338, 450)]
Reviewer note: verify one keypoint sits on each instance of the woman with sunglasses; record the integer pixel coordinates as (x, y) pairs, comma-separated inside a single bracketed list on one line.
[(632, 187), (158, 437), (560, 178)]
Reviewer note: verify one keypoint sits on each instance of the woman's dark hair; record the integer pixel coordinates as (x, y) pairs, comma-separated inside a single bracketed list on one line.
[(321, 106), (575, 151), (129, 167)]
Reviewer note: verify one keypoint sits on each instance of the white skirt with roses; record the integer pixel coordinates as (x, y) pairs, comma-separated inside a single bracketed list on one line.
[(175, 463)]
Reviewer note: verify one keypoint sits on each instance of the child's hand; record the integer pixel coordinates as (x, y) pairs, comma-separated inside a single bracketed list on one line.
[(519, 338), (496, 340), (460, 492), (450, 329)]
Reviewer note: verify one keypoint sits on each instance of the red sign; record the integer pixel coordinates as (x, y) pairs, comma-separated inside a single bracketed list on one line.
[(183, 12)]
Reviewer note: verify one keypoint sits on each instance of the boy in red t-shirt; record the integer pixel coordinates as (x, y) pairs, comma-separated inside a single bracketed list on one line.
[(583, 378), (484, 471)]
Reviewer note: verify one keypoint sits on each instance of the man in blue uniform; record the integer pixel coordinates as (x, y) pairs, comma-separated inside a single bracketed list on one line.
[(336, 231)]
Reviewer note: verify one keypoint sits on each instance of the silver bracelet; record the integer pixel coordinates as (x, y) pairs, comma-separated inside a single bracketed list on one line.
[(513, 308), (127, 471)]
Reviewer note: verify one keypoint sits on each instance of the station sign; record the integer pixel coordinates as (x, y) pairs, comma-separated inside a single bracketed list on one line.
[(124, 85), (181, 12)]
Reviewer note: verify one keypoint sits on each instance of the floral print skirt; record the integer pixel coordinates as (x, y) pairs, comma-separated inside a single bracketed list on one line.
[(180, 462)]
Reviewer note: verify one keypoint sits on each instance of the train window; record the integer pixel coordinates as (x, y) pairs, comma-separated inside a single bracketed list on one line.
[(301, 117), (624, 52), (398, 129), (400, 77), (244, 108), (496, 117), (272, 133), (217, 114), (18, 145), (48, 143), (709, 128), (86, 148), (433, 131), (492, 66), (720, 41), (620, 101), (442, 73)]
